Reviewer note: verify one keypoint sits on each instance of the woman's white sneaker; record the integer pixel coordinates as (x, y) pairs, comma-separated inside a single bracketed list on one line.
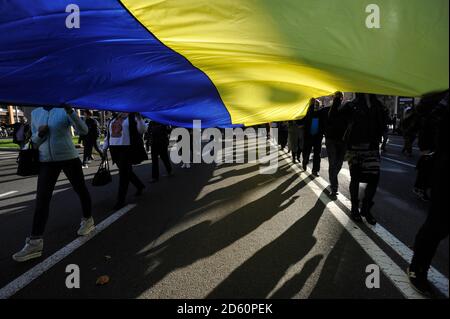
[(32, 249), (86, 227)]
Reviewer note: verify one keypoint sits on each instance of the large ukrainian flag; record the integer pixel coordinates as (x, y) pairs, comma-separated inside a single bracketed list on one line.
[(222, 61)]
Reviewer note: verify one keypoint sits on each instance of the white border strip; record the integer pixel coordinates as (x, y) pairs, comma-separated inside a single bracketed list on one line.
[(8, 193), (436, 278), (32, 274), (398, 162), (386, 264)]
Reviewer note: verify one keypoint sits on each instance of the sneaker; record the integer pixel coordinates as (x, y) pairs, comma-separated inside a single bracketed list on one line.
[(419, 283), (32, 249), (188, 165), (183, 166), (86, 227), (85, 166), (304, 167), (316, 174)]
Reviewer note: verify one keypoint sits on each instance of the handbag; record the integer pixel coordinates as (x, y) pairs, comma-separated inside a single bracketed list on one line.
[(103, 175), (28, 161)]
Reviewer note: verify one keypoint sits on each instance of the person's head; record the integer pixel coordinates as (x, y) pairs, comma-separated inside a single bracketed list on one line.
[(87, 113), (317, 105), (338, 96), (311, 104), (359, 96)]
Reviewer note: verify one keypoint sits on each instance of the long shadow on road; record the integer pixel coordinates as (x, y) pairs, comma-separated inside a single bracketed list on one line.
[(258, 276)]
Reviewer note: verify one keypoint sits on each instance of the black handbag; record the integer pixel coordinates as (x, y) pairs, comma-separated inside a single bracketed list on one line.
[(103, 175), (28, 162)]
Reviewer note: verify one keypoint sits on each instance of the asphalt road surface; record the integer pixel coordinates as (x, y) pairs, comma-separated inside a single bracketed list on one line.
[(220, 231)]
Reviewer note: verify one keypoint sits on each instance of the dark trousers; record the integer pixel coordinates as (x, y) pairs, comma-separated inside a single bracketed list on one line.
[(370, 191), (313, 143), (89, 144), (297, 152), (424, 172), (282, 138), (408, 144), (336, 154), (436, 226), (48, 176), (160, 151), (120, 156)]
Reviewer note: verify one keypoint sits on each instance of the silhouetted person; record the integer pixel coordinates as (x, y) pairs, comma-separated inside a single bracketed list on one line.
[(366, 118), (315, 122), (334, 140), (90, 139), (160, 143), (436, 227)]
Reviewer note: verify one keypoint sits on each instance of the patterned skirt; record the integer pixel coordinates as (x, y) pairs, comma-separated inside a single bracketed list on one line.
[(364, 163)]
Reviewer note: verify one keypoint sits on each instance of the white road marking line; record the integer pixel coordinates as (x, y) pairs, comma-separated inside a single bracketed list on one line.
[(35, 272), (435, 277), (8, 193), (401, 146), (398, 162), (386, 264)]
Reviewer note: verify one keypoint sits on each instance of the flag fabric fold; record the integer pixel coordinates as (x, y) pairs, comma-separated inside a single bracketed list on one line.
[(224, 62)]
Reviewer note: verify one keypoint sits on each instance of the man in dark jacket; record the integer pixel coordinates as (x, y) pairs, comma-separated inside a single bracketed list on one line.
[(334, 140), (436, 227), (315, 122)]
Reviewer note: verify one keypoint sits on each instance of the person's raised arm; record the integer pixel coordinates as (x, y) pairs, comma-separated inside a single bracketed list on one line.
[(76, 121)]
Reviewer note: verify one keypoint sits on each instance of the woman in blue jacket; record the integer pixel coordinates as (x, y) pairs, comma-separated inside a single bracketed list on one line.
[(51, 134)]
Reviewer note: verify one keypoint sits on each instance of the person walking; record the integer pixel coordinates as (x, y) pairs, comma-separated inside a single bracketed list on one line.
[(191, 152), (366, 122), (296, 140), (315, 122), (283, 133), (21, 133), (51, 135), (334, 141), (125, 142), (90, 140), (159, 148), (408, 131), (436, 226)]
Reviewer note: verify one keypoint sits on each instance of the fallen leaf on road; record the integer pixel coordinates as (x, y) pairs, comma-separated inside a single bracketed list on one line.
[(102, 280)]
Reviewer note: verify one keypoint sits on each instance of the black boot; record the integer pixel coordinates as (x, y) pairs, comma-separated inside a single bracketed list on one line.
[(355, 214), (365, 212), (419, 281)]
